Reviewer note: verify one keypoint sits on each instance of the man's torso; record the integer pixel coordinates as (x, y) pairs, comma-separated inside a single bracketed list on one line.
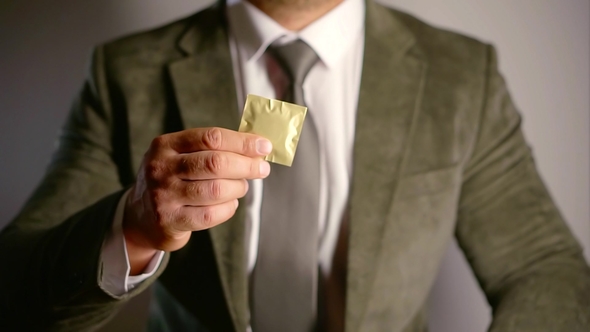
[(419, 103)]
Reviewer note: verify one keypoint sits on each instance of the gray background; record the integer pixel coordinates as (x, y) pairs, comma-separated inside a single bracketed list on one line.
[(544, 54)]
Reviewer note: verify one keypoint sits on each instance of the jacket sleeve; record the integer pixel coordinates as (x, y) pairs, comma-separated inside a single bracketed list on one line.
[(525, 258), (52, 247)]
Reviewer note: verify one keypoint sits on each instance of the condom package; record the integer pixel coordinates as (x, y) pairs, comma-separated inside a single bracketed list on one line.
[(278, 121)]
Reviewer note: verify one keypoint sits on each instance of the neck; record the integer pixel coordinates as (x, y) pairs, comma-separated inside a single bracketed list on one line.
[(295, 15)]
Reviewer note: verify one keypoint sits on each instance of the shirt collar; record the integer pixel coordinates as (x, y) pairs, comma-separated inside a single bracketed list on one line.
[(330, 36)]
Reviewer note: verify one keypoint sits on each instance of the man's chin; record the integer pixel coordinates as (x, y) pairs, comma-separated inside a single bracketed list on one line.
[(294, 4)]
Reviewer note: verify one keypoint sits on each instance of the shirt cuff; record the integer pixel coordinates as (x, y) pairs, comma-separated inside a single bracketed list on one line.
[(115, 278)]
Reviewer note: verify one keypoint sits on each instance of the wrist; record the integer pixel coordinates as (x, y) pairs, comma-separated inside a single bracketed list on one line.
[(139, 257), (139, 251)]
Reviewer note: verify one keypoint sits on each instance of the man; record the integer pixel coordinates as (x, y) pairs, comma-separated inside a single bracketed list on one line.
[(415, 139)]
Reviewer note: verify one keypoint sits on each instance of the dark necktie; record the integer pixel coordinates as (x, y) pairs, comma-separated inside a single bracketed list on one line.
[(285, 278)]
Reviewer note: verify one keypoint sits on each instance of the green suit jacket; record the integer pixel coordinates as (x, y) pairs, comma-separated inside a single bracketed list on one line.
[(438, 153)]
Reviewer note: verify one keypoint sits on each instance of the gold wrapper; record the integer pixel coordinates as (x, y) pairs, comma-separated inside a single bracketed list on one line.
[(277, 121)]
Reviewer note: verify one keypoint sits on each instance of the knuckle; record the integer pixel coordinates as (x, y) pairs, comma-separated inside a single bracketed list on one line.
[(208, 217), (214, 162), (215, 190), (257, 167), (212, 139), (157, 143), (155, 168), (248, 145)]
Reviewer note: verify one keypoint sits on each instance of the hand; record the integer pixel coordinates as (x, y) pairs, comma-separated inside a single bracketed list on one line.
[(189, 181)]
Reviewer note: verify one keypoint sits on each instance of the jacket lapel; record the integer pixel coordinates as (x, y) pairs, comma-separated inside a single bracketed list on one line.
[(391, 86), (205, 92)]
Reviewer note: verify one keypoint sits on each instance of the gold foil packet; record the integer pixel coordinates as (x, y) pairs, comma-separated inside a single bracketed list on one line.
[(278, 121)]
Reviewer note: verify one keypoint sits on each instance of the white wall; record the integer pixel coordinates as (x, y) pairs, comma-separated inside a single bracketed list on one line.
[(544, 53)]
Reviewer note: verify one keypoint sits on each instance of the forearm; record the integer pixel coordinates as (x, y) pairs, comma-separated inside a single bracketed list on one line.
[(527, 261), (52, 277), (553, 297)]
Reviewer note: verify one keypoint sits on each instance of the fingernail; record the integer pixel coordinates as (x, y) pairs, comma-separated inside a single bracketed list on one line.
[(263, 146), (236, 203), (264, 168)]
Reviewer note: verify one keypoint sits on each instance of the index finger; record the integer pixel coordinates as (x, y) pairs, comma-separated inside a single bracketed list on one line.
[(219, 139)]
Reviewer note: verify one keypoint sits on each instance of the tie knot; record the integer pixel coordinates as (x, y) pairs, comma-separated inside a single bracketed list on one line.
[(296, 59)]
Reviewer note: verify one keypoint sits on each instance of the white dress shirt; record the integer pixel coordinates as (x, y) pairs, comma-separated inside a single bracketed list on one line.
[(331, 91)]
